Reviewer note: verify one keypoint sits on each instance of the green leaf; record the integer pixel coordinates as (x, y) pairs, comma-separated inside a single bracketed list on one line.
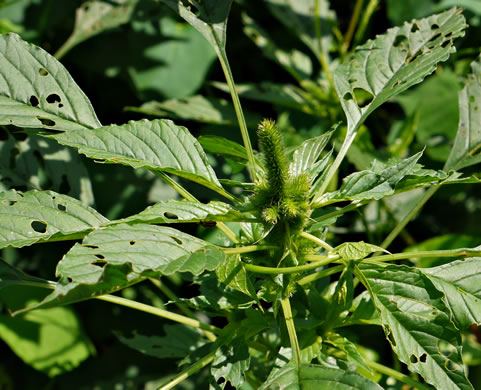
[(51, 341), (196, 108), (10, 275), (363, 311), (26, 218), (93, 17), (305, 157), (37, 91), (348, 347), (388, 65), (417, 324), (311, 377), (223, 147), (233, 273), (231, 362), (178, 342), (209, 17), (356, 250), (460, 281), (375, 183), (114, 257), (466, 150), (178, 211), (156, 145)]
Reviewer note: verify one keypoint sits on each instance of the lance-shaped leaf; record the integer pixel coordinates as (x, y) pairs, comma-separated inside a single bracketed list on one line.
[(461, 283), (10, 275), (307, 154), (37, 91), (417, 324), (178, 211), (391, 63), (223, 147), (156, 145), (209, 17), (26, 218), (466, 150), (310, 376), (114, 257), (93, 17), (375, 183)]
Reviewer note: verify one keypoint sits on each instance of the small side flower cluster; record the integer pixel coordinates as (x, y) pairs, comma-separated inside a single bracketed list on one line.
[(279, 196)]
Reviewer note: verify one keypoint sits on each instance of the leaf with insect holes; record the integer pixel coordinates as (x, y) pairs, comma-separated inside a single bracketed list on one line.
[(37, 91), (158, 145), (417, 323), (466, 150), (311, 376), (179, 211), (209, 17), (93, 17), (460, 281), (33, 216), (231, 362), (114, 257)]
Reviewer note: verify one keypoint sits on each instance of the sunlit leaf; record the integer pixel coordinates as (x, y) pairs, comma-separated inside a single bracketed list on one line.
[(233, 273), (26, 218), (417, 324), (307, 154), (37, 91), (157, 145), (356, 250)]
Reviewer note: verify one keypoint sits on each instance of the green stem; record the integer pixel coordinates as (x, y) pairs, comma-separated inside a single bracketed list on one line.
[(158, 312), (400, 226), (188, 196), (291, 329), (397, 375), (322, 53), (366, 16), (290, 270), (440, 253), (321, 274), (317, 240), (182, 376), (352, 26), (247, 249), (240, 115)]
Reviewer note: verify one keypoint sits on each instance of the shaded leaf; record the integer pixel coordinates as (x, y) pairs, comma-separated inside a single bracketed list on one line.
[(417, 323), (26, 218), (233, 273), (114, 257), (231, 362), (9, 275), (466, 150), (37, 91), (461, 283), (312, 376), (157, 145), (178, 342)]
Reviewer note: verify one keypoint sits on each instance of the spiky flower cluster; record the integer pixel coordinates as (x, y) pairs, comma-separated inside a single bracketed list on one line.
[(279, 196)]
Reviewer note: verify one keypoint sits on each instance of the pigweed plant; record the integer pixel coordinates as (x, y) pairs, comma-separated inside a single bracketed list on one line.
[(281, 304)]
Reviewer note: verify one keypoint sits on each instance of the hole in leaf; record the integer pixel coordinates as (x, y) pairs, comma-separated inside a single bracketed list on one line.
[(347, 96), (170, 215), (176, 240), (414, 28), (435, 37), (99, 256), (39, 226), (61, 207), (132, 242), (423, 358), (446, 44), (363, 97), (100, 263), (434, 26), (92, 246), (398, 82), (43, 72), (70, 280), (34, 101), (400, 40), (46, 121), (60, 105), (413, 359), (9, 202), (53, 98)]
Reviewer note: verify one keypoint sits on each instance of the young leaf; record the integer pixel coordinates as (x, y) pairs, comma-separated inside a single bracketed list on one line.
[(26, 218), (233, 273), (388, 65), (223, 147), (306, 155), (356, 250), (209, 17), (178, 342), (466, 150), (417, 324), (37, 91), (348, 347), (156, 145), (460, 281), (114, 257), (178, 211), (93, 17), (310, 376)]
